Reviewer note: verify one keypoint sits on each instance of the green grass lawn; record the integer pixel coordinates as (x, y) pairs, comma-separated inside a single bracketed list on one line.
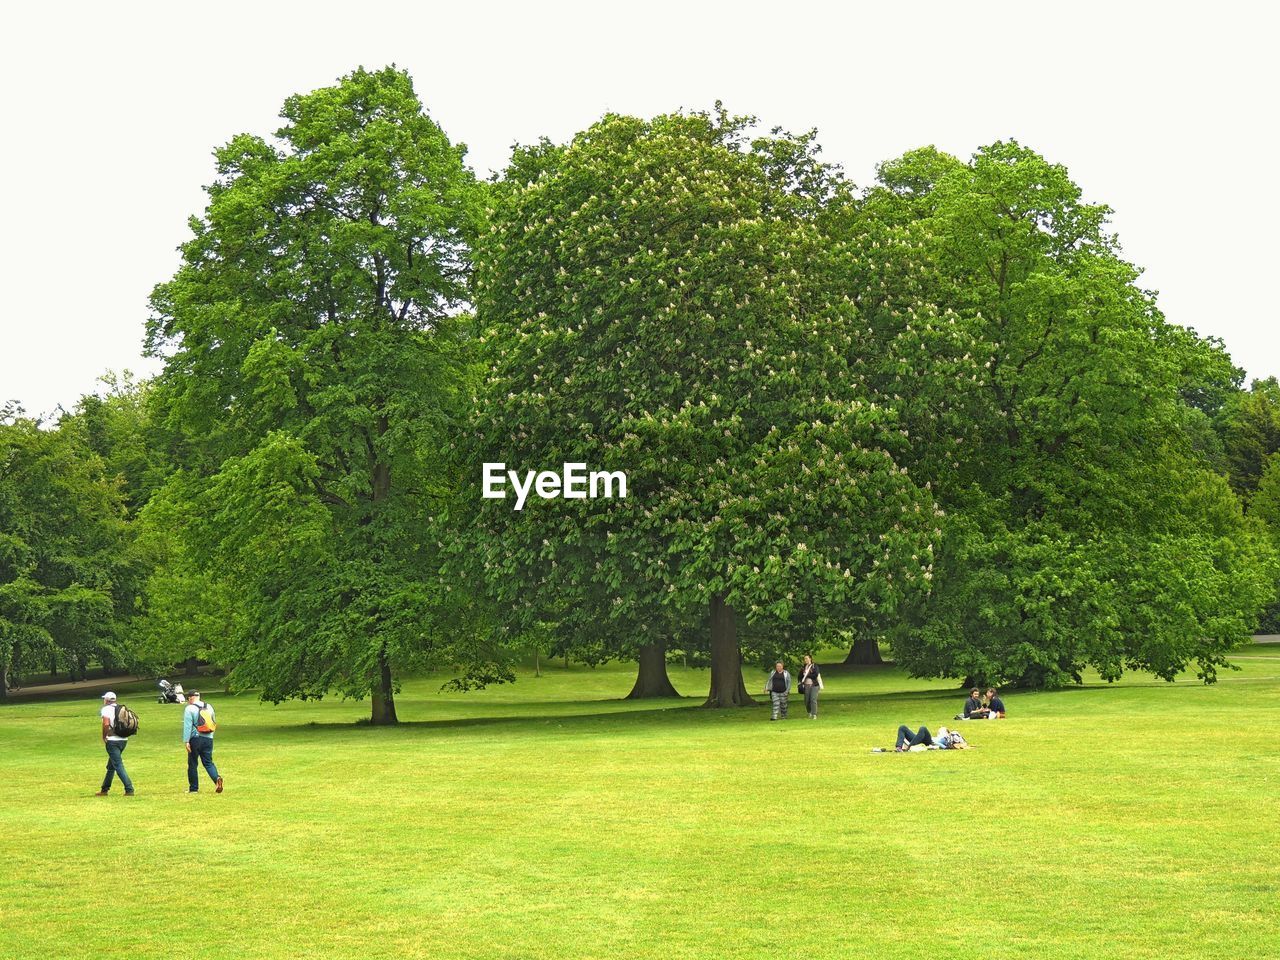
[(550, 819)]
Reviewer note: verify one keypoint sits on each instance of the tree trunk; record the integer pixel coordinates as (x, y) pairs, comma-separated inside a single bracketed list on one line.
[(384, 700), (537, 663), (651, 678), (4, 680), (865, 652), (192, 665), (727, 689)]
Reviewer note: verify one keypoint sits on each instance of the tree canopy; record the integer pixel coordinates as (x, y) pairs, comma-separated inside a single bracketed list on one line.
[(941, 411), (310, 340), (1085, 527), (656, 297)]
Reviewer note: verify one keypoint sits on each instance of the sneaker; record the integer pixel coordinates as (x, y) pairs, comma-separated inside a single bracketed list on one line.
[(128, 793), (218, 789), (101, 793)]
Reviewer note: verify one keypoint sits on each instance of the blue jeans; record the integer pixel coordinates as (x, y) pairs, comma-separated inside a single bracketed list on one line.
[(202, 752), (115, 766), (905, 736)]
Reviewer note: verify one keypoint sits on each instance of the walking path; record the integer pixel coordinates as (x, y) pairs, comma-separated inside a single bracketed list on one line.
[(101, 685)]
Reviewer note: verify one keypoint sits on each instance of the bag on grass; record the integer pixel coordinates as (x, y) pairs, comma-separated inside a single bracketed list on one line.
[(125, 723)]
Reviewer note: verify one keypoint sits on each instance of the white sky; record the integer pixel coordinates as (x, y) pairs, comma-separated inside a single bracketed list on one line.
[(112, 111)]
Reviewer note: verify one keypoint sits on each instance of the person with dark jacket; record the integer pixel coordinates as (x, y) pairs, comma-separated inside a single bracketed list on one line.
[(810, 684), (995, 706), (973, 708), (778, 687)]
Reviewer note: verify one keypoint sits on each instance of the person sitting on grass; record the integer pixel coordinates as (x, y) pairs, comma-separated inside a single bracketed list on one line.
[(973, 708), (995, 706), (907, 739)]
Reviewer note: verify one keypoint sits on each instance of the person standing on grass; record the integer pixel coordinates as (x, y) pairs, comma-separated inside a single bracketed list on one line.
[(810, 684), (115, 747), (778, 687), (198, 725)]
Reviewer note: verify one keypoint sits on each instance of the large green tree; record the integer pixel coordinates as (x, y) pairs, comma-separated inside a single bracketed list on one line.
[(1052, 411), (66, 588), (311, 384), (1249, 424), (657, 297)]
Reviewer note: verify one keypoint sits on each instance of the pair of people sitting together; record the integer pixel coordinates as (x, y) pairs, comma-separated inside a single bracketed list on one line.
[(977, 707)]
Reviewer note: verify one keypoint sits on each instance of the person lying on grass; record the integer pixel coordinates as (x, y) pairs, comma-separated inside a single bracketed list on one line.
[(921, 740), (950, 740), (907, 739)]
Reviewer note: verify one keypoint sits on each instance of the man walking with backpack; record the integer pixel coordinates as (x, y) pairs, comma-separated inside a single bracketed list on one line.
[(197, 734), (115, 738)]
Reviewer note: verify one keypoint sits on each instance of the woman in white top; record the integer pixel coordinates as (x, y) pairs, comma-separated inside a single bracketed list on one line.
[(810, 684)]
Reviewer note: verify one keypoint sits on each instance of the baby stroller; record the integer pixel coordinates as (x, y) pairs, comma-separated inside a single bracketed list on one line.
[(170, 692)]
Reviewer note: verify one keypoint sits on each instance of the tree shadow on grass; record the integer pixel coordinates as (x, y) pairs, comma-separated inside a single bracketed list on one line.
[(588, 714), (523, 719)]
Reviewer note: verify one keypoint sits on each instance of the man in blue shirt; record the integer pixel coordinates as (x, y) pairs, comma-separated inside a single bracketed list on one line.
[(197, 734)]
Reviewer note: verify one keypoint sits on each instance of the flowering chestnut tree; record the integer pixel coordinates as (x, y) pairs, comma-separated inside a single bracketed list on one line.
[(659, 297)]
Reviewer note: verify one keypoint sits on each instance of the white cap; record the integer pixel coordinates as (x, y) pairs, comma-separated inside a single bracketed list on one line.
[(108, 695)]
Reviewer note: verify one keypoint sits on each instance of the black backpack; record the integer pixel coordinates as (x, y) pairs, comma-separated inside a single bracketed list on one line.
[(126, 722)]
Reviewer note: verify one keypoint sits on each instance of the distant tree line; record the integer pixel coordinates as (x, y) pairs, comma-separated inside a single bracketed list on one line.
[(938, 412)]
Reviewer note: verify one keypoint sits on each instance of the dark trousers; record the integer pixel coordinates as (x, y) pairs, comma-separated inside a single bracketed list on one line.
[(201, 752), (115, 766), (905, 736)]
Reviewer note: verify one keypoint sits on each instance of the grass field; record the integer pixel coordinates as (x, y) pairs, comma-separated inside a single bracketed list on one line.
[(549, 819)]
